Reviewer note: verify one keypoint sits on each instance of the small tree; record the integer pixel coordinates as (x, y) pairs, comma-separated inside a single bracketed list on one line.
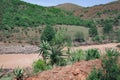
[(118, 35), (48, 34), (107, 28), (93, 31), (59, 37)]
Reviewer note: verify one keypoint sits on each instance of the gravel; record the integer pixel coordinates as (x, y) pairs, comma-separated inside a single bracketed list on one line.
[(18, 48)]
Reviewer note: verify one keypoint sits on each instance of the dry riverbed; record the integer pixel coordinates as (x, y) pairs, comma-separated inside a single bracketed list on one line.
[(24, 55)]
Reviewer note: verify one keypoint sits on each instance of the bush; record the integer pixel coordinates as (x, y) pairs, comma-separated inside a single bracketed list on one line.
[(59, 37), (95, 75), (92, 54), (93, 31), (118, 35), (39, 66), (77, 56), (107, 28), (48, 34), (96, 38), (56, 56), (110, 67)]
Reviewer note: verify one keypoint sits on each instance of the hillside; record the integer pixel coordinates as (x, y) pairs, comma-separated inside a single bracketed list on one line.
[(16, 13), (68, 7), (99, 11)]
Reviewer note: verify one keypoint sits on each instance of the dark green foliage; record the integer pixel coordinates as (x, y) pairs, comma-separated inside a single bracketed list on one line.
[(95, 75), (18, 73), (77, 56), (53, 53), (107, 25), (110, 67), (16, 13), (48, 34), (107, 28), (92, 54), (44, 47), (118, 35), (93, 31), (56, 56), (39, 65), (96, 38), (99, 13), (79, 37)]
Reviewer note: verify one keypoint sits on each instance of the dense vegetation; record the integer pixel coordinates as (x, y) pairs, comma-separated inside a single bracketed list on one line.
[(110, 67), (16, 13)]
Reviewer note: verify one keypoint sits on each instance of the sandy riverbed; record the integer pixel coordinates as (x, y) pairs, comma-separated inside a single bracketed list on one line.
[(26, 60)]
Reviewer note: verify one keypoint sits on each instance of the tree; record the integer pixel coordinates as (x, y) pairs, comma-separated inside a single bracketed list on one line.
[(93, 31), (59, 37), (118, 35), (48, 34), (107, 28)]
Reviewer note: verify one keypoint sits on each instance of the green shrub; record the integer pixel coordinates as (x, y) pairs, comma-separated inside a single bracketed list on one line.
[(110, 67), (48, 34), (39, 66), (96, 38), (77, 56), (93, 31), (18, 73), (59, 37), (107, 28), (92, 54), (95, 75), (44, 49), (56, 56), (8, 76), (118, 35), (99, 13)]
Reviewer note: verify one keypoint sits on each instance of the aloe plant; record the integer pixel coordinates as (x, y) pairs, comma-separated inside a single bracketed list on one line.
[(18, 73)]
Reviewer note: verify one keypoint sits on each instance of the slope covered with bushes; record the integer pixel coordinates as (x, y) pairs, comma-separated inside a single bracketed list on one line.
[(16, 13)]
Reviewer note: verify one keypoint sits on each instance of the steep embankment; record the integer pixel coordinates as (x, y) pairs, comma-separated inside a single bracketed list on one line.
[(77, 71)]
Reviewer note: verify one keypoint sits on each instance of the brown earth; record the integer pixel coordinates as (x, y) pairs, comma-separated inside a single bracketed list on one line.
[(77, 71)]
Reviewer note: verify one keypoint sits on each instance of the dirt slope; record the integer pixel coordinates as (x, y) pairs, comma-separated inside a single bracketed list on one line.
[(68, 7), (77, 71), (106, 10)]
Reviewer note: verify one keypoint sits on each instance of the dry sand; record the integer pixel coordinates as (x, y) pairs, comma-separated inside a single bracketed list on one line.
[(14, 60), (26, 60)]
